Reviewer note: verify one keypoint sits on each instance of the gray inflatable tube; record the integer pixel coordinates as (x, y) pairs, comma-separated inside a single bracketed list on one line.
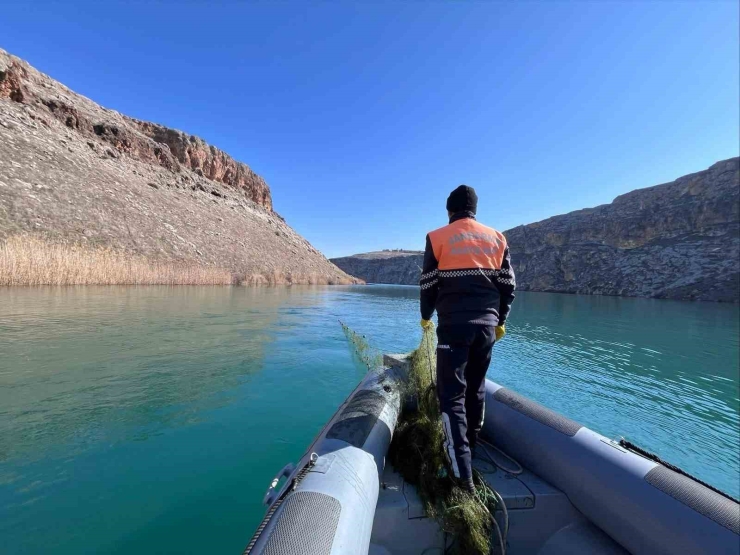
[(327, 504), (644, 506)]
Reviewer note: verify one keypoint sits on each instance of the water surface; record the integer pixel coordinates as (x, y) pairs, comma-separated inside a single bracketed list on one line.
[(151, 419)]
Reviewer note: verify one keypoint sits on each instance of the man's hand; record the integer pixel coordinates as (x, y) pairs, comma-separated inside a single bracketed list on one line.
[(427, 325), (500, 332)]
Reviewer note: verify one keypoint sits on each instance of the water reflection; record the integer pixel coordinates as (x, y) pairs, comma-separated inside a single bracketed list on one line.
[(85, 365)]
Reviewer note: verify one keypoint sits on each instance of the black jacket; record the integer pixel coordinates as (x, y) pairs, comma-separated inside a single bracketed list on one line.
[(467, 275)]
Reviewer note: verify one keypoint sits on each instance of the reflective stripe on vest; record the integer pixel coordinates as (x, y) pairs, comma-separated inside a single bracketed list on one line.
[(467, 244)]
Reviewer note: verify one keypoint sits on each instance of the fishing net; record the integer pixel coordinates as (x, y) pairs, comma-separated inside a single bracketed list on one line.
[(364, 353), (417, 453)]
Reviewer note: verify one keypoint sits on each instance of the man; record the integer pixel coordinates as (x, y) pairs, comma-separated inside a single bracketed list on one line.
[(468, 279)]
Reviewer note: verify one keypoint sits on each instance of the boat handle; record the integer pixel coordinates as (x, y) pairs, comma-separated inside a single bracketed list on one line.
[(271, 494)]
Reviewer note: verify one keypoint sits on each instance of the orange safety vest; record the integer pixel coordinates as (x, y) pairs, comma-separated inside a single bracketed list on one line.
[(467, 244)]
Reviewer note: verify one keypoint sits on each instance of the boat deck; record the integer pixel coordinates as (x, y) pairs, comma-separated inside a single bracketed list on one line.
[(542, 521)]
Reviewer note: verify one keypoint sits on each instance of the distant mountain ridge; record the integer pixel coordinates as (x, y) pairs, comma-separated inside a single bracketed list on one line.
[(678, 240), (399, 267)]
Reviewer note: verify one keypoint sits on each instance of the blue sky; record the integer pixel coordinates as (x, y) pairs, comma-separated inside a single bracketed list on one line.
[(363, 116)]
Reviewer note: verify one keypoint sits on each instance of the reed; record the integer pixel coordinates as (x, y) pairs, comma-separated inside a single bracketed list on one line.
[(29, 260)]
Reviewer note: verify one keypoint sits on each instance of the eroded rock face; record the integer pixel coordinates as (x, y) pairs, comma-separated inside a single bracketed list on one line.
[(71, 170), (680, 240), (208, 161), (144, 141), (677, 241)]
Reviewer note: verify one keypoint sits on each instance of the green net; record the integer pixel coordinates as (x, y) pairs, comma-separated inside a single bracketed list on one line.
[(417, 453), (366, 354)]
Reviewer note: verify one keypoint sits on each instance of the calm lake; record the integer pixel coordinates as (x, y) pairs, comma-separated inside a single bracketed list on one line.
[(152, 419)]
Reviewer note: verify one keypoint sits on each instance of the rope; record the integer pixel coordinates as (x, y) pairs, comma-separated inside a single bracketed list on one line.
[(487, 496), (655, 458), (501, 538), (499, 501), (262, 526), (504, 510), (515, 472), (276, 505)]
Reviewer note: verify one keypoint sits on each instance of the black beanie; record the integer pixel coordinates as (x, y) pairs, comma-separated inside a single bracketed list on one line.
[(462, 199)]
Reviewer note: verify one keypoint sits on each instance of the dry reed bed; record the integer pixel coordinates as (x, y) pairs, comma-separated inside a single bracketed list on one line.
[(29, 260), (26, 260)]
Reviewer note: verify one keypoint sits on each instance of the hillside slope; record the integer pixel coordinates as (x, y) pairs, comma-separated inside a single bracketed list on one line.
[(73, 171), (679, 240)]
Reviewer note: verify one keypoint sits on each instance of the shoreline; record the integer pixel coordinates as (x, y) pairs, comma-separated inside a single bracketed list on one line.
[(27, 261)]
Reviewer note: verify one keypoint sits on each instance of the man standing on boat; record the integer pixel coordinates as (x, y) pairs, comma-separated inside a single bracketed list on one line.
[(468, 279)]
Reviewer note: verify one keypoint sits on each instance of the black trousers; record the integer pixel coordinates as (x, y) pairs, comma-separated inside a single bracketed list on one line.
[(463, 356)]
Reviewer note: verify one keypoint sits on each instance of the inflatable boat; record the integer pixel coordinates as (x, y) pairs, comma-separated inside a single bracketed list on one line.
[(566, 489)]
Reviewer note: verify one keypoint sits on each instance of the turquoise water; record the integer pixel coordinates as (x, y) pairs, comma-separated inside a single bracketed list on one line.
[(151, 419)]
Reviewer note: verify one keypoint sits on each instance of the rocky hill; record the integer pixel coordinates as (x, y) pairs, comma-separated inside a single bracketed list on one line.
[(679, 240), (401, 267), (71, 170)]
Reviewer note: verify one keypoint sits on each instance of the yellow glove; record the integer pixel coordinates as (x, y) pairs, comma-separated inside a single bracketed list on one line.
[(500, 332), (427, 325)]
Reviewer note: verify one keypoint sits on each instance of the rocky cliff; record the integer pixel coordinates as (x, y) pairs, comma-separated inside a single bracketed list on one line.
[(679, 240), (400, 267), (72, 170)]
